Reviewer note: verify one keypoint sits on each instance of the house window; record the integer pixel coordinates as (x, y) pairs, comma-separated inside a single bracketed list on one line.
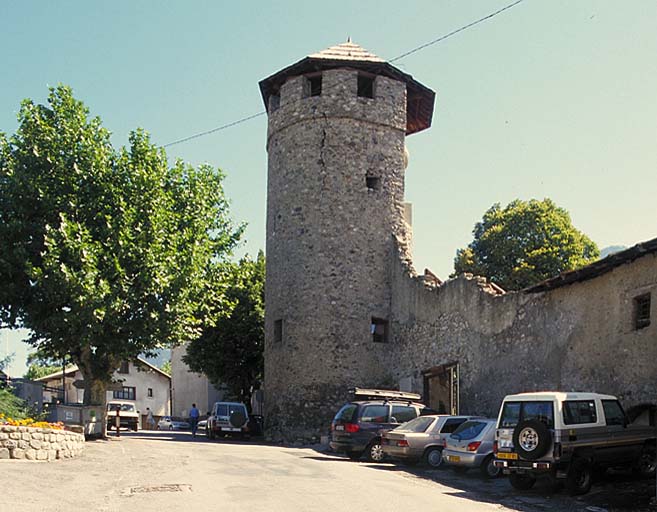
[(373, 182), (313, 85), (641, 311), (150, 392), (365, 86), (278, 331), (124, 368), (127, 393), (379, 330)]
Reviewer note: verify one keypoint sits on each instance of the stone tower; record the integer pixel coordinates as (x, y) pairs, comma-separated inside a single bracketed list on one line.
[(335, 214)]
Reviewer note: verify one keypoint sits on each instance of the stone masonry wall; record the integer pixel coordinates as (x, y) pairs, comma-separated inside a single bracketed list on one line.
[(328, 243), (578, 337), (39, 443)]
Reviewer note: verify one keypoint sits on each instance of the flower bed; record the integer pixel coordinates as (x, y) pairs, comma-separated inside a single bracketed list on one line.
[(37, 440)]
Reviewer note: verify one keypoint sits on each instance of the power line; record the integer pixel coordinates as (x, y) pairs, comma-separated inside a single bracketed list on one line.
[(406, 54), (454, 32)]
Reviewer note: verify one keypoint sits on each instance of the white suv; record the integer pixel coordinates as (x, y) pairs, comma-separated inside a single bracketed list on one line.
[(568, 436), (228, 418)]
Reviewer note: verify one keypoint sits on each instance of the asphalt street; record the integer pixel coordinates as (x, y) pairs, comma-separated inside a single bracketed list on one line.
[(156, 470)]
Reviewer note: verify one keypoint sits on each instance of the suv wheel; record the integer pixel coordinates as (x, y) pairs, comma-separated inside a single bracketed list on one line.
[(375, 451), (433, 457), (522, 481), (488, 469), (647, 462), (532, 439), (580, 477)]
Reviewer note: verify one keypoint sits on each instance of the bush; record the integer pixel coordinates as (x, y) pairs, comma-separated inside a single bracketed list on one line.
[(12, 406)]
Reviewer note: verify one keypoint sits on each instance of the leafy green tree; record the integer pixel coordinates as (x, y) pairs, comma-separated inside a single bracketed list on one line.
[(166, 367), (525, 243), (230, 350), (36, 371), (104, 253)]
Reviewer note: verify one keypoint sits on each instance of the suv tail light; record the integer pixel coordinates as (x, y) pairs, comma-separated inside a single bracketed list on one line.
[(403, 443), (351, 427), (495, 447), (472, 447)]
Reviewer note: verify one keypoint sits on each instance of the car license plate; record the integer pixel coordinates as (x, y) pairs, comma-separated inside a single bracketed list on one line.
[(339, 427), (453, 458), (508, 456)]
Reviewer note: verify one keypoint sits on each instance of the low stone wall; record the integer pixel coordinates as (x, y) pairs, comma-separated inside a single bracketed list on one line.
[(39, 443)]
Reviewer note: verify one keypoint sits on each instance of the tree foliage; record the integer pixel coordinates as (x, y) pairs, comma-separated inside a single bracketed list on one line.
[(104, 253), (525, 243), (230, 350), (166, 367), (36, 371)]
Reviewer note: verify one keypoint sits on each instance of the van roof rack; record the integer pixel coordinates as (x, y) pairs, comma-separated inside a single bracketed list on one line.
[(385, 394)]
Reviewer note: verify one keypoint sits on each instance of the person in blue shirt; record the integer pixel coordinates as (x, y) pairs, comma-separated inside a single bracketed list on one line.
[(193, 419)]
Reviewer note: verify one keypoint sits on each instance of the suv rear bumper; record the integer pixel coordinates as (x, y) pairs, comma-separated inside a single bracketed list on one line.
[(525, 466)]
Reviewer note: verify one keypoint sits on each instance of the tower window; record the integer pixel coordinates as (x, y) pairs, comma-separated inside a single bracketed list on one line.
[(641, 311), (313, 85), (365, 86), (379, 330), (278, 331), (373, 182)]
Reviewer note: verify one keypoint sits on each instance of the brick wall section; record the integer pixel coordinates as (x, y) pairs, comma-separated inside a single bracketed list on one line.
[(39, 443), (328, 243)]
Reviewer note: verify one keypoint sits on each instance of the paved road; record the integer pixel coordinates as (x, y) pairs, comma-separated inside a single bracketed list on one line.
[(174, 472)]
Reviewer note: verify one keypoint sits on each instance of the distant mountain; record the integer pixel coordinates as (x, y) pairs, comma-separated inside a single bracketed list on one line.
[(611, 250), (162, 356)]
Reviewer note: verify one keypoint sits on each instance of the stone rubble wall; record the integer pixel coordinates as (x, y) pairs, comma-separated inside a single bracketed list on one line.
[(39, 443)]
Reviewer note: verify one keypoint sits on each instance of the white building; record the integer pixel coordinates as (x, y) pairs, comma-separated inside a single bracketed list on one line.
[(189, 388), (144, 385)]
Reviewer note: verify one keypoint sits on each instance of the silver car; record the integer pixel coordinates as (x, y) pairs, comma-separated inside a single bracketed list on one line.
[(422, 438), (471, 446), (169, 423)]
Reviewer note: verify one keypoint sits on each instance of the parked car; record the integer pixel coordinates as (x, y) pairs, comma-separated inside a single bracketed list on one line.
[(169, 423), (202, 425), (228, 418), (358, 426), (569, 436), (128, 415), (421, 439), (471, 446)]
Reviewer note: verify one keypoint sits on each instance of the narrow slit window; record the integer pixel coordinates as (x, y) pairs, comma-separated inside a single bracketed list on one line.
[(373, 182), (278, 331), (641, 311), (365, 86), (313, 85), (379, 330)]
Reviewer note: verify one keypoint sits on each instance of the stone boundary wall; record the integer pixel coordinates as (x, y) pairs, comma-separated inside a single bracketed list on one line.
[(39, 443)]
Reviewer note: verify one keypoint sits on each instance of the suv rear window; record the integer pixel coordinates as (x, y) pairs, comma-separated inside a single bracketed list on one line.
[(347, 413), (515, 412), (374, 414), (469, 430), (403, 413)]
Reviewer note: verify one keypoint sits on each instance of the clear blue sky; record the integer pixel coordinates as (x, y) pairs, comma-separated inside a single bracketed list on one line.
[(549, 99)]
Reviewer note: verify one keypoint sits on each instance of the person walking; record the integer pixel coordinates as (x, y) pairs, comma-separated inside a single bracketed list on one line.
[(150, 420), (193, 419)]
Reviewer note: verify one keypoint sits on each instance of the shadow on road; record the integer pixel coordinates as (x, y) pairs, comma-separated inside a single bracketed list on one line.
[(616, 491)]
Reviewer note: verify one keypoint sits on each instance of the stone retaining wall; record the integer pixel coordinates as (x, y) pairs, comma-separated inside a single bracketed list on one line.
[(39, 443)]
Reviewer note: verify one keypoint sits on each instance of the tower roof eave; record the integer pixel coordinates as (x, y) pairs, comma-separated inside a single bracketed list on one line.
[(419, 102)]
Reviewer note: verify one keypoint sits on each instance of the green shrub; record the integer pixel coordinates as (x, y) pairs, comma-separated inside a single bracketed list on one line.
[(12, 406)]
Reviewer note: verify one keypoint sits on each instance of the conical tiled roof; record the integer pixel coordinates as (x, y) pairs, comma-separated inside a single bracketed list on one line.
[(420, 99), (346, 51)]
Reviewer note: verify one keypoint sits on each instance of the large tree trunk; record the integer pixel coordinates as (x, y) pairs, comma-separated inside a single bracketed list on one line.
[(95, 386)]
